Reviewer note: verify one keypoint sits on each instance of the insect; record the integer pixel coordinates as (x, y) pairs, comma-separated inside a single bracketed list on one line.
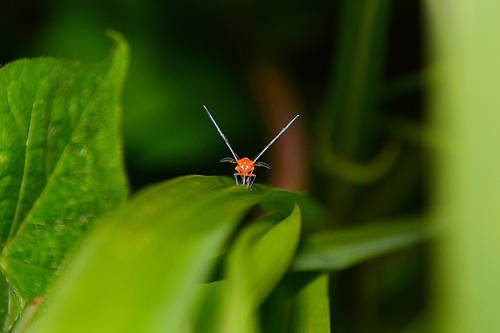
[(245, 166)]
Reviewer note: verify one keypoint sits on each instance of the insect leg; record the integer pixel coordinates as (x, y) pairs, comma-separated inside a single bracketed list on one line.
[(236, 178), (251, 180)]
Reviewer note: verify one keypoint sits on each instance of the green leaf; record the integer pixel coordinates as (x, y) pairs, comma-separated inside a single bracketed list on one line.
[(260, 257), (143, 269), (299, 303), (337, 250), (311, 308), (207, 313), (60, 161)]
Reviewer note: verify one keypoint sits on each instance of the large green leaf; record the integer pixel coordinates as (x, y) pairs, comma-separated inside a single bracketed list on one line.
[(60, 161), (142, 270)]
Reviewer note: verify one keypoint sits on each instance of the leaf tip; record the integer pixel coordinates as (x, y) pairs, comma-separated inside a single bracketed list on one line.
[(121, 45)]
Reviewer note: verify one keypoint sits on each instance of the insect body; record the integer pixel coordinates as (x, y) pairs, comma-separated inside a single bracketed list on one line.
[(245, 166)]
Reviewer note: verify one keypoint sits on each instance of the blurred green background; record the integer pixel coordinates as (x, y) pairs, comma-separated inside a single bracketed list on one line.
[(354, 70), (255, 64), (351, 69)]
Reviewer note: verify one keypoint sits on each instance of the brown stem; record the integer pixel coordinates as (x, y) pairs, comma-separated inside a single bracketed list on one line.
[(276, 100)]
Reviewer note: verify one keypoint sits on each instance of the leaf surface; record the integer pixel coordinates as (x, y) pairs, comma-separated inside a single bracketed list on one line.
[(259, 259), (311, 308), (61, 161), (144, 268)]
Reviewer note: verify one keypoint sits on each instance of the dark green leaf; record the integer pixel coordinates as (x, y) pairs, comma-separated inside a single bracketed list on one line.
[(337, 250), (60, 161), (299, 303)]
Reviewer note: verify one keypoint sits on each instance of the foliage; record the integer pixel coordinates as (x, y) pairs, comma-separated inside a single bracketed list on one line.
[(150, 265), (61, 163), (464, 122), (196, 253)]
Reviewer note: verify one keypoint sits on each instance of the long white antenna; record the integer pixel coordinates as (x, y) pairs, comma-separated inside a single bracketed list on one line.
[(272, 141), (224, 137)]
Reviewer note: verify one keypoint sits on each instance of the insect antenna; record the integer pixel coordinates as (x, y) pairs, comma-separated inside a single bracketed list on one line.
[(272, 141), (224, 137)]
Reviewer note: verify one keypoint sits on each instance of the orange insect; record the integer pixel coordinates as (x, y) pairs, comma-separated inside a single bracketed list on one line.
[(245, 166)]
